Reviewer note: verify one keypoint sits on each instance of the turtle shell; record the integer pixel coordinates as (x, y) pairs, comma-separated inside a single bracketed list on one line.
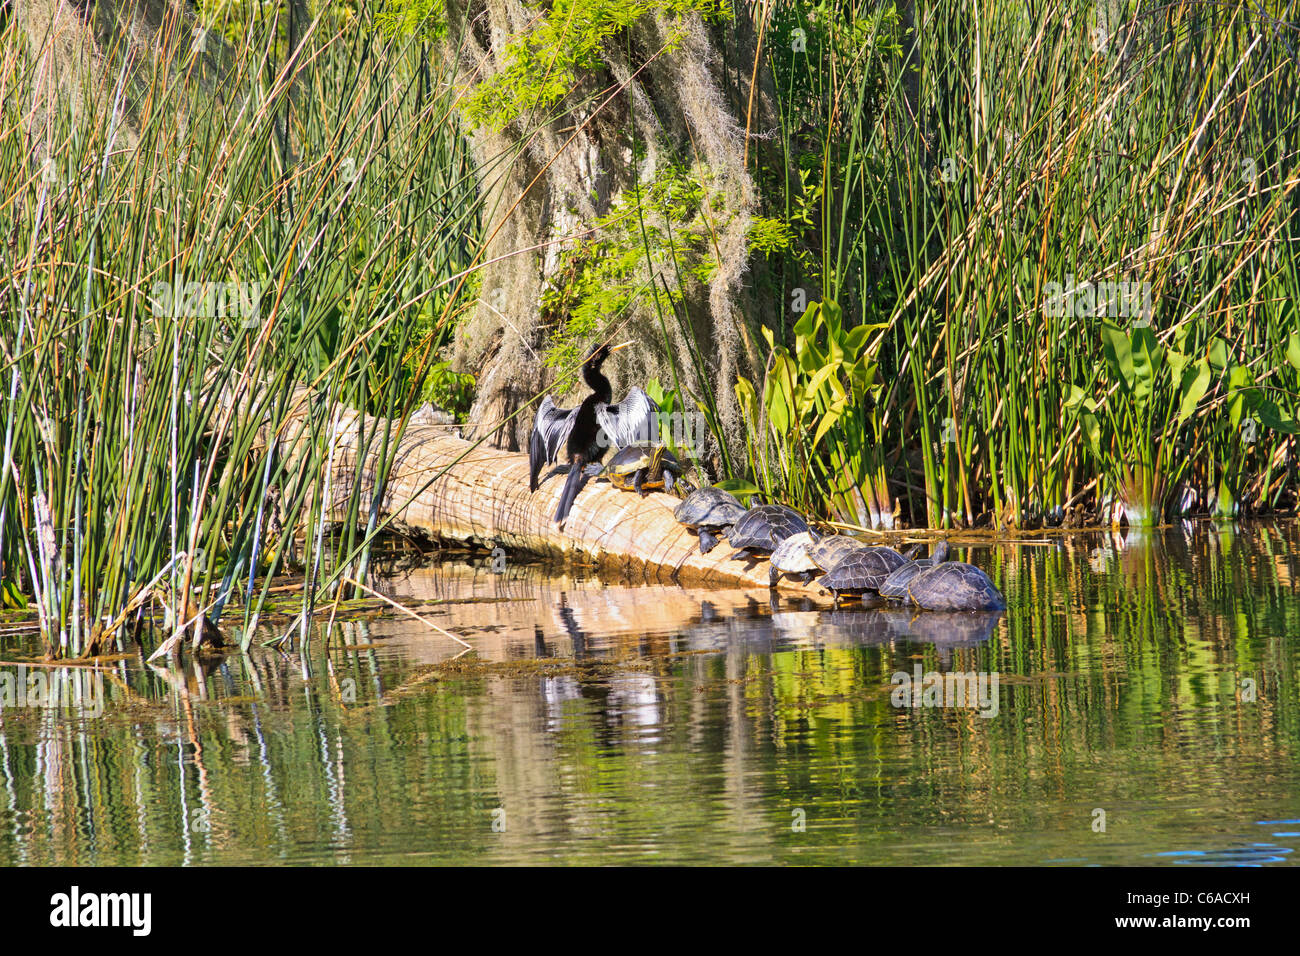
[(895, 586), (652, 461), (791, 556), (832, 549), (629, 458), (955, 586), (863, 570), (763, 527), (709, 510)]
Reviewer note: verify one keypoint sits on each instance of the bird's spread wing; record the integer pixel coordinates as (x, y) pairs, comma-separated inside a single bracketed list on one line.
[(634, 419), (554, 425), (550, 431)]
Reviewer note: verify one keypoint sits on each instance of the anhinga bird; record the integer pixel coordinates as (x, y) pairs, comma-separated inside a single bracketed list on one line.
[(578, 438)]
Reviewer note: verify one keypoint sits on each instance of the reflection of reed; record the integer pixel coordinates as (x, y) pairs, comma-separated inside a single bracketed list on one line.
[(697, 720)]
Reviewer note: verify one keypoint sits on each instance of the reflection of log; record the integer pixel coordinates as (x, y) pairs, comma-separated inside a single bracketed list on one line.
[(483, 499), (507, 614), (530, 611)]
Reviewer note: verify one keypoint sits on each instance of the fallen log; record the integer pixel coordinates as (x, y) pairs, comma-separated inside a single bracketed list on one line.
[(465, 494)]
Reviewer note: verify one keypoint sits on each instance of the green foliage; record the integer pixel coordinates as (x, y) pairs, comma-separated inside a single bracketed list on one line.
[(815, 406), (941, 200), (744, 491), (655, 229), (544, 64), (1156, 390), (11, 595), (426, 19), (831, 65), (236, 20), (769, 236), (1125, 431), (451, 391)]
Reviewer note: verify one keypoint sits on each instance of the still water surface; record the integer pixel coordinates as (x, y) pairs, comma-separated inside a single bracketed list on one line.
[(1146, 713)]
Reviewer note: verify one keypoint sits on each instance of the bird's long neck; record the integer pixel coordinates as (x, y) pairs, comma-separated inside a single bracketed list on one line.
[(598, 383)]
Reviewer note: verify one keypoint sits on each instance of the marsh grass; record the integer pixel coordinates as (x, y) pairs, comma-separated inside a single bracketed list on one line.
[(944, 170), (153, 426)]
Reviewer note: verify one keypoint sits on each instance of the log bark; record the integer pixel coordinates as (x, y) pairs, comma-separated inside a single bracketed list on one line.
[(461, 493)]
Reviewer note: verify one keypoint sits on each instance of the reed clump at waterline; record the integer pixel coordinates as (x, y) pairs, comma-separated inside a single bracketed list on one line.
[(181, 301), (1041, 271)]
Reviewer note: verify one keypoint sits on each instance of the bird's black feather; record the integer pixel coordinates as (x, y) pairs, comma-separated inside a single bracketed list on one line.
[(580, 437)]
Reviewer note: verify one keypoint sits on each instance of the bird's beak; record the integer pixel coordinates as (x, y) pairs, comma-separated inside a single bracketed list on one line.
[(621, 345)]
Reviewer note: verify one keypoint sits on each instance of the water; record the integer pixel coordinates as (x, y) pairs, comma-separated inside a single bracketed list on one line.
[(611, 721)]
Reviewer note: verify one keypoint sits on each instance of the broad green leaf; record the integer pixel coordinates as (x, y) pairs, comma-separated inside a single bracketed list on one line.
[(1119, 355), (739, 487), (828, 422), (1079, 404), (1293, 350), (747, 398), (1218, 353), (834, 317), (862, 376), (838, 392), (778, 392), (1241, 393), (1195, 383), (1177, 361), (1091, 428), (11, 596), (806, 326), (855, 339), (1271, 416), (815, 384), (1147, 356)]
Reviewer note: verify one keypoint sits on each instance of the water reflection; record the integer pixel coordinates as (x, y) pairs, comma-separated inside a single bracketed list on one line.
[(1256, 854), (1153, 677)]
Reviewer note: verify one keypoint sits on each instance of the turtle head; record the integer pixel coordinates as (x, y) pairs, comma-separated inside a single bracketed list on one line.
[(820, 529), (940, 552)]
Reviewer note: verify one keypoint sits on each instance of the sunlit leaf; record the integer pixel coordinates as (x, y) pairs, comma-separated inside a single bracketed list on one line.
[(1119, 355), (1147, 358), (1195, 383)]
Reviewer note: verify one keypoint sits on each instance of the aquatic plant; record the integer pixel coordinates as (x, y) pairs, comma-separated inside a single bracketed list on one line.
[(1052, 261), (187, 308), (813, 425)]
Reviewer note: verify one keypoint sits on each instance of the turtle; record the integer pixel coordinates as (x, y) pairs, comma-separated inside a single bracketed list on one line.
[(830, 550), (643, 467), (710, 511), (833, 549), (763, 527), (861, 571), (895, 586), (955, 586), (792, 556)]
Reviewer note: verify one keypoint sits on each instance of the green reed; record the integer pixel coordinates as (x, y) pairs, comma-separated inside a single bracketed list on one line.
[(195, 287), (1079, 227)]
